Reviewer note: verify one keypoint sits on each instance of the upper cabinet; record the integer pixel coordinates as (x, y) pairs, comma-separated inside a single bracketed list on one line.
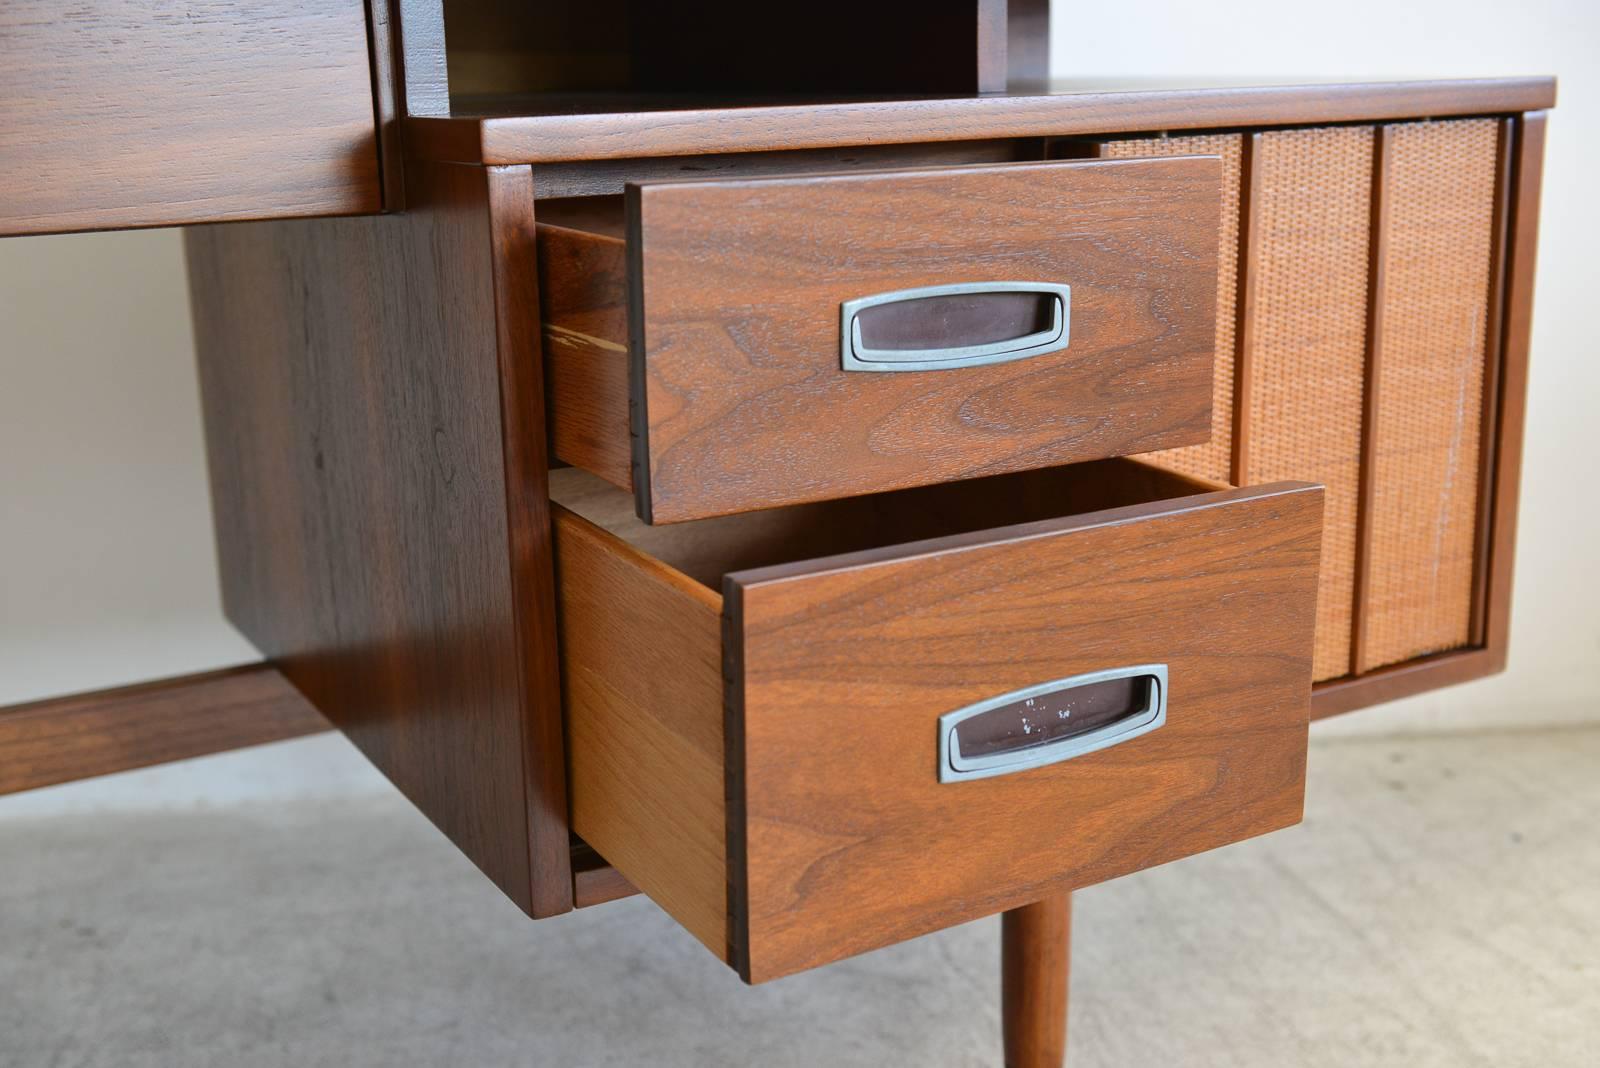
[(142, 113)]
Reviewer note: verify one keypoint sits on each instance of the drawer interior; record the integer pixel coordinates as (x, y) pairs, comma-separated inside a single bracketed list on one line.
[(705, 550), (752, 700)]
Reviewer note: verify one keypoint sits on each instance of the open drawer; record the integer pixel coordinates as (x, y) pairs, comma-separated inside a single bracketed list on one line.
[(821, 729), (730, 344)]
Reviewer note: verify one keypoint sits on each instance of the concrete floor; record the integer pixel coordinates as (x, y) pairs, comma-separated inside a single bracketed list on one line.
[(1440, 906)]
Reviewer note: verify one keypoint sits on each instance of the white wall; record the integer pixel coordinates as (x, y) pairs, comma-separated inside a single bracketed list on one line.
[(107, 570)]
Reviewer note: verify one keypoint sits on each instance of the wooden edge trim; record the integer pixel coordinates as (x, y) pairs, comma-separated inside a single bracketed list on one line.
[(1520, 163), (1366, 480), (63, 739), (532, 570), (578, 233), (383, 55), (634, 134), (640, 468), (1391, 683), (1244, 303), (733, 776), (594, 881), (1489, 428), (990, 57), (1522, 248)]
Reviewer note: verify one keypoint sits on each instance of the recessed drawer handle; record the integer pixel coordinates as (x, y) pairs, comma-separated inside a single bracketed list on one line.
[(1051, 722), (967, 325)]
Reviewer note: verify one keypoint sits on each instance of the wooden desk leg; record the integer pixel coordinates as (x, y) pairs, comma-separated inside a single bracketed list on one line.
[(1035, 944)]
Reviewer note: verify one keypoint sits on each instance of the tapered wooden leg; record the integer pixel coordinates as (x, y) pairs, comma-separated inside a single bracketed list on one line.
[(1035, 943)]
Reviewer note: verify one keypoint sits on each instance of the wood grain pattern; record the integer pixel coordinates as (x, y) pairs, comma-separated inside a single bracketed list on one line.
[(641, 651), (520, 130), (135, 113), (838, 822), (1035, 969), (830, 824), (608, 177), (64, 739), (734, 383), (707, 549), (378, 531)]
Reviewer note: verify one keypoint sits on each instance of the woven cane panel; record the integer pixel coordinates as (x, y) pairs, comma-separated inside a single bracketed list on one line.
[(1212, 459), (1439, 191), (1307, 344)]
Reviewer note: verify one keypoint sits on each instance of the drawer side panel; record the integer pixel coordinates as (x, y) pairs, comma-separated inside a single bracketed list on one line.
[(584, 326), (641, 667)]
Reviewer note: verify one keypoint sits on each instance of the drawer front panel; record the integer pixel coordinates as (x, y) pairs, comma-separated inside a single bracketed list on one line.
[(738, 288), (748, 387), (842, 836)]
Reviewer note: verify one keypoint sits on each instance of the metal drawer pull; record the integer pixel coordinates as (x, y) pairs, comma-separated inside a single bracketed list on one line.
[(967, 325), (1051, 722)]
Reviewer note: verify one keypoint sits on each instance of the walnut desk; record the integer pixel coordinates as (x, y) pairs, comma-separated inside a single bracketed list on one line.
[(837, 492)]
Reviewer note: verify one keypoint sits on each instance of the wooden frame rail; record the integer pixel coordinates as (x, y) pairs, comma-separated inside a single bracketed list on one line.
[(63, 739), (81, 736)]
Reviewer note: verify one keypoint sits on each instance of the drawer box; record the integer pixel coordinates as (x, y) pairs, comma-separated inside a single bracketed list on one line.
[(759, 707), (724, 345)]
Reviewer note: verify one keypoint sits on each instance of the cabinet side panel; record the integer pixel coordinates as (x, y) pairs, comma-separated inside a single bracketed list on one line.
[(354, 429), (1431, 348), (1305, 342)]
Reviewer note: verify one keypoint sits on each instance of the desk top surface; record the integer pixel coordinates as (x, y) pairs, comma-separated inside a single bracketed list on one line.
[(591, 126)]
